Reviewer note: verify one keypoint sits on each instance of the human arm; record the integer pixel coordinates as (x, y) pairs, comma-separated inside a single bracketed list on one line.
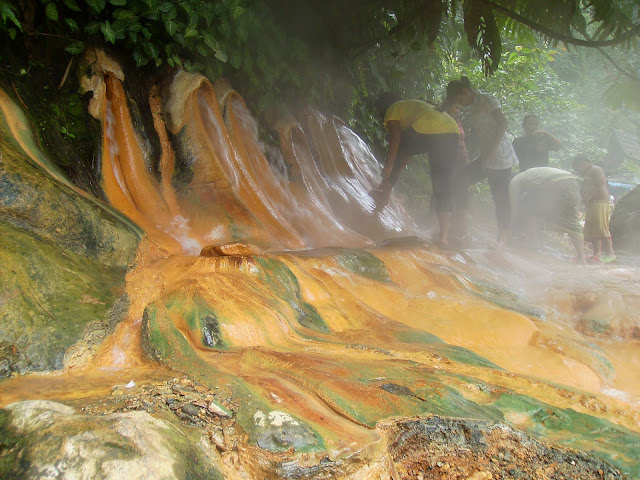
[(554, 142), (395, 131)]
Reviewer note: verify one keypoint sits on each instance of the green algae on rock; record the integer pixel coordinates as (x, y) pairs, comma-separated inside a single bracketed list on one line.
[(285, 285), (363, 263), (65, 254), (267, 426), (51, 299)]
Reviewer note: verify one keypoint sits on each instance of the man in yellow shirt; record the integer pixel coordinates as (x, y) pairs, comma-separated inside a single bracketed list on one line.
[(417, 127)]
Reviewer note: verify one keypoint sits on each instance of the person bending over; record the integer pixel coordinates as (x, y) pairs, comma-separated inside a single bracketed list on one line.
[(416, 127), (547, 198)]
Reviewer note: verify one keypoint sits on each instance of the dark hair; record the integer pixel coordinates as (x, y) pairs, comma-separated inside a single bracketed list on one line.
[(530, 116), (455, 88), (385, 100)]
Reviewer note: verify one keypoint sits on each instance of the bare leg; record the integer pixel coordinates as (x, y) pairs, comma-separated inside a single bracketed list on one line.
[(444, 219), (597, 248), (503, 234), (578, 242)]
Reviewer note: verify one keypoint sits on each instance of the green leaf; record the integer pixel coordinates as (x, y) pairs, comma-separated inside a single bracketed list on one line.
[(187, 8), (237, 11), (210, 41), (52, 12), (140, 58), (92, 27), (170, 62), (75, 48), (12, 33), (220, 55), (202, 50), (123, 14), (73, 25), (119, 30), (6, 11), (72, 5), (172, 26), (151, 50), (165, 7), (96, 5), (145, 31), (190, 32), (118, 3), (153, 14), (170, 15), (107, 31)]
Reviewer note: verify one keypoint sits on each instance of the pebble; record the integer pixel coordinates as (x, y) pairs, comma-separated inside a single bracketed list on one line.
[(191, 410)]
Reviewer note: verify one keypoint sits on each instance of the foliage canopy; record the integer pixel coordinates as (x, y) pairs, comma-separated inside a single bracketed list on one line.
[(291, 48)]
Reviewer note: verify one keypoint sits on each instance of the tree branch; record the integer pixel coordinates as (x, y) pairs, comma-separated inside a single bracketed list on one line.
[(632, 32)]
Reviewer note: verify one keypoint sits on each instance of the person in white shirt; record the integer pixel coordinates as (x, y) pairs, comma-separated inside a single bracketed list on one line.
[(496, 156)]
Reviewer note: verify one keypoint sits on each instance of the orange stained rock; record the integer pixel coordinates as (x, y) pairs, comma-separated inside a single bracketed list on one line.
[(625, 358), (220, 178), (458, 318), (127, 181), (124, 160), (167, 159)]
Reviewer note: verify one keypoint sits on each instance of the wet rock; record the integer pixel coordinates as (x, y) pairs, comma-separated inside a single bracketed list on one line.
[(279, 431), (51, 440), (228, 249), (64, 253), (625, 223), (219, 410), (191, 410), (478, 449), (363, 263)]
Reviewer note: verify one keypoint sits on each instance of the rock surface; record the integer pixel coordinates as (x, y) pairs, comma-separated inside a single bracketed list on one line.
[(625, 223), (50, 440), (64, 253), (457, 449)]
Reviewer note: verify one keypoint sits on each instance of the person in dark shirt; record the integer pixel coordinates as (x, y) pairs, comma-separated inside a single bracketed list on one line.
[(532, 149)]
